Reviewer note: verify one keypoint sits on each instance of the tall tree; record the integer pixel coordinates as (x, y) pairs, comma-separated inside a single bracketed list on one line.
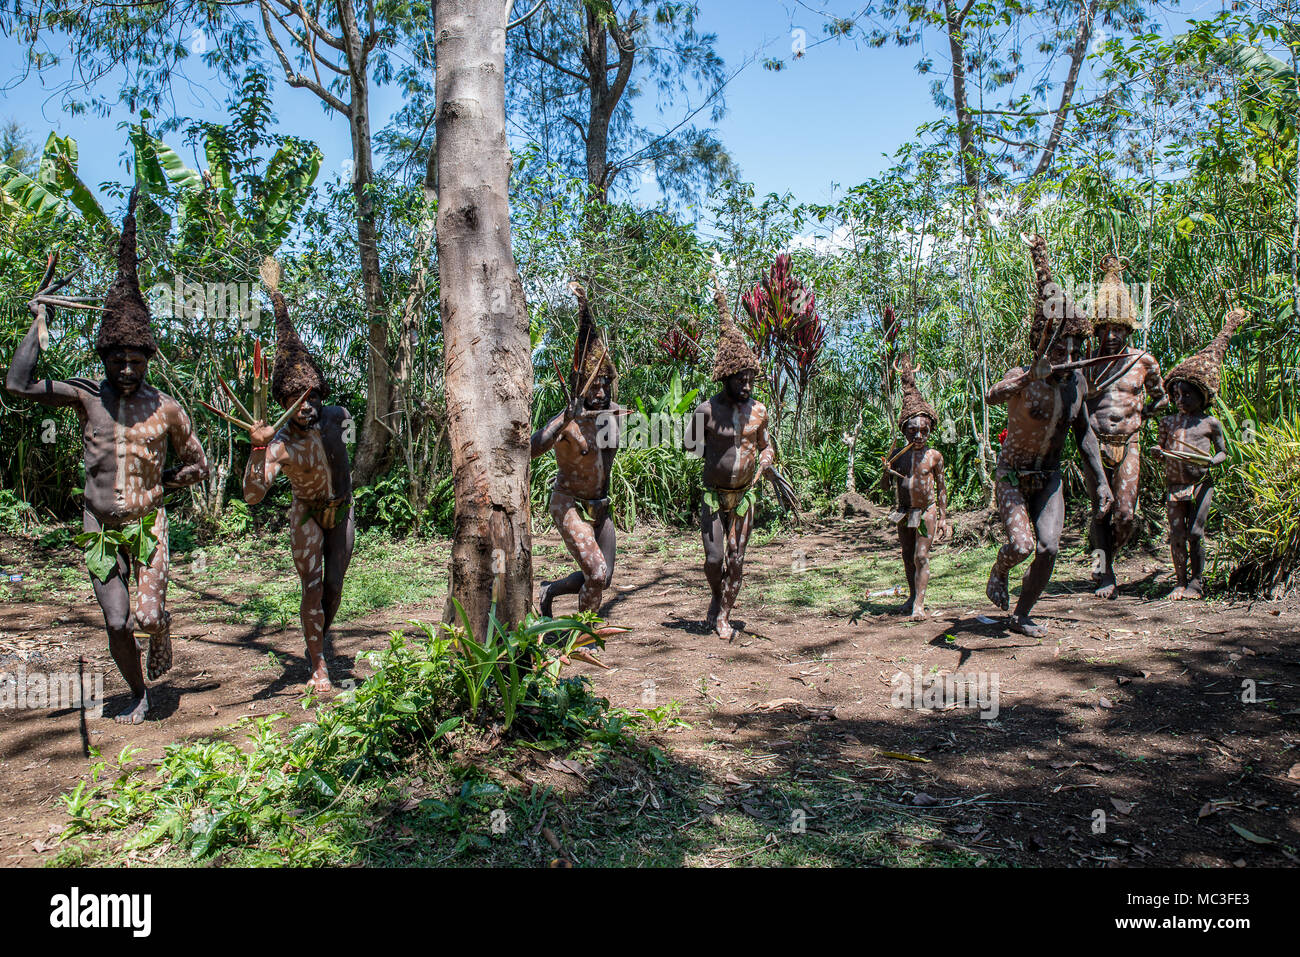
[(489, 374), (1014, 81), (342, 46), (578, 69)]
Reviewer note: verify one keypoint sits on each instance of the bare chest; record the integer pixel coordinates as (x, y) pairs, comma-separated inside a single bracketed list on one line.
[(306, 465)]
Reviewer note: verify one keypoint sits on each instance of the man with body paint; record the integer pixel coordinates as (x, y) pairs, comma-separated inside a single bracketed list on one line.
[(311, 451), (1043, 402), (1116, 411), (730, 429), (126, 425), (922, 514), (585, 436), (1191, 442)]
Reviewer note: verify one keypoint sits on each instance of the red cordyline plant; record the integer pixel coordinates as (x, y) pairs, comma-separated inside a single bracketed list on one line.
[(681, 344), (787, 333)]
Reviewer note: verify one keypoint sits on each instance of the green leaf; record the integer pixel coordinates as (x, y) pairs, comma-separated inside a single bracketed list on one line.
[(30, 195), (1250, 835), (101, 551)]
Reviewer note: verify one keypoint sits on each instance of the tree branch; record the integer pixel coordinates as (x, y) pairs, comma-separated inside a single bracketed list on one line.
[(524, 19), (292, 76), (553, 64)]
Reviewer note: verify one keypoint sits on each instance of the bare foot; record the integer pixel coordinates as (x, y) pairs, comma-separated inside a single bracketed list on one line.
[(135, 713), (1192, 592), (998, 591), (319, 682), (918, 614), (711, 619), (723, 628), (1107, 589), (904, 609), (1178, 594), (1027, 626)]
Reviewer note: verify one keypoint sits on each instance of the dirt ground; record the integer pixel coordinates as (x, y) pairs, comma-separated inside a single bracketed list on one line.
[(1139, 732)]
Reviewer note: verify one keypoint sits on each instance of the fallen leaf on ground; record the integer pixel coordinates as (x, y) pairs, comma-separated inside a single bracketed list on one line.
[(1123, 807), (567, 765), (903, 756), (1250, 835)]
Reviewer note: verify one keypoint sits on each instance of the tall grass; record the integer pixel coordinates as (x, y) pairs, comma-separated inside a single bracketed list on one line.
[(1258, 548)]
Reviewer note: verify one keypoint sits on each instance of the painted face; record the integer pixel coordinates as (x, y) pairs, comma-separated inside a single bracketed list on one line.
[(917, 430), (1064, 349), (1112, 337), (126, 369), (598, 393), (1186, 397), (740, 385), (308, 414)]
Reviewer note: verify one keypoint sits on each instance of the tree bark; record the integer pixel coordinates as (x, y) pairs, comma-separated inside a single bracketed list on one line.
[(489, 375)]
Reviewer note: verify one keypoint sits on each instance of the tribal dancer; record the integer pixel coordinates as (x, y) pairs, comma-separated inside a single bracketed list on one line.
[(922, 514), (1044, 400), (585, 437), (126, 425), (1190, 443), (311, 451), (730, 430), (1117, 387)]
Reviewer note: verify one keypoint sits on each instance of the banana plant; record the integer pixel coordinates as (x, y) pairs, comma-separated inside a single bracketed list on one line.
[(57, 192)]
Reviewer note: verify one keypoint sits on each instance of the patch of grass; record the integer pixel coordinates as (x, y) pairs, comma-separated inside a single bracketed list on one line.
[(384, 573), (307, 796), (840, 588)]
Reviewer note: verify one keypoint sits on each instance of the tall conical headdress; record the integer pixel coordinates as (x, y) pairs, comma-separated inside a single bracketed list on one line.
[(1202, 369), (590, 351), (734, 354), (125, 322), (1113, 304), (913, 402), (295, 371), (1051, 301)]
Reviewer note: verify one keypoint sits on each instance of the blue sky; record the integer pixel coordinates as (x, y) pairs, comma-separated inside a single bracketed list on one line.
[(831, 117)]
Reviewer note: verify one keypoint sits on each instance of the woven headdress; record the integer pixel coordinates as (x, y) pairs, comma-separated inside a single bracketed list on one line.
[(125, 321), (590, 351), (914, 403), (1113, 304), (734, 354), (1051, 302), (1202, 369), (294, 371)]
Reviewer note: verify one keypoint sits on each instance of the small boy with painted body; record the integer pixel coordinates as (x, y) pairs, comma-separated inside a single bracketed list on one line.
[(922, 514), (1191, 442)]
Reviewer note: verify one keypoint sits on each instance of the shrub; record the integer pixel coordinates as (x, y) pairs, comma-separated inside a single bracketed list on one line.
[(1258, 547)]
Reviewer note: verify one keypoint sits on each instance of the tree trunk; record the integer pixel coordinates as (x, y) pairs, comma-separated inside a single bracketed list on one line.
[(1087, 12), (371, 457), (489, 374), (408, 415), (604, 95), (967, 152)]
